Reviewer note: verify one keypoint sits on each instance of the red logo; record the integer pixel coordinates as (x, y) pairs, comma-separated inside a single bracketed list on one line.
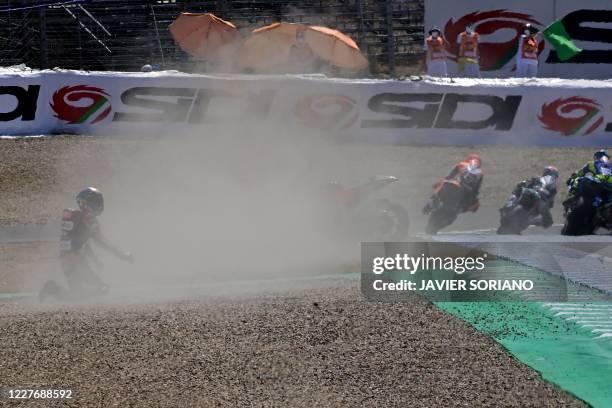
[(493, 55), (327, 112), (572, 115), (81, 104)]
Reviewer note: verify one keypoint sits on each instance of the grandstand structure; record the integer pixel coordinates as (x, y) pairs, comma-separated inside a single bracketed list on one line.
[(123, 35)]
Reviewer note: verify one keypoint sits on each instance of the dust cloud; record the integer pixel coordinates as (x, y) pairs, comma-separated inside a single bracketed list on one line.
[(234, 202)]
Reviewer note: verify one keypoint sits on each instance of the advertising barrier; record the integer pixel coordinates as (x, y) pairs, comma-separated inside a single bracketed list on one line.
[(587, 22), (427, 112)]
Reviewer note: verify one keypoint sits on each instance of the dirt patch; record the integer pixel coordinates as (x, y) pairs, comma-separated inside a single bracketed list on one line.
[(25, 267), (325, 348), (39, 176)]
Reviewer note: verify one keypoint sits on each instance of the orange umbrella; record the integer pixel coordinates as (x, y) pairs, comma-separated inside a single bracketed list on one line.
[(204, 35), (337, 48), (272, 45), (269, 46)]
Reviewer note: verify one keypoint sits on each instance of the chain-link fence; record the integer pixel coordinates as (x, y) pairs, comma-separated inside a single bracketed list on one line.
[(125, 34)]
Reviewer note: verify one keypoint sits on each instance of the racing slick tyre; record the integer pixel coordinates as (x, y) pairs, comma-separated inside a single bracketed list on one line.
[(399, 221), (579, 220), (439, 219), (513, 222)]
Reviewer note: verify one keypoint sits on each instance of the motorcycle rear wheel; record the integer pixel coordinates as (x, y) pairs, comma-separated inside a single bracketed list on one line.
[(579, 220), (440, 219), (514, 222)]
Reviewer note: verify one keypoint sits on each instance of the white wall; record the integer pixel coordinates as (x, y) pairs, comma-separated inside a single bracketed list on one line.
[(443, 112)]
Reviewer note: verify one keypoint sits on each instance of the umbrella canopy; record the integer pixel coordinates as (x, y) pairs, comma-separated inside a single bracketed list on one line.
[(204, 35), (269, 46), (337, 48), (273, 45)]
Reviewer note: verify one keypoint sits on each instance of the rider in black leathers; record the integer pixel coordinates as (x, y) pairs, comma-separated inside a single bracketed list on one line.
[(546, 189), (79, 227)]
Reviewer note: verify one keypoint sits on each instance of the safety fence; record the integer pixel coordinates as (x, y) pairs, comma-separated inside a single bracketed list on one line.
[(123, 35)]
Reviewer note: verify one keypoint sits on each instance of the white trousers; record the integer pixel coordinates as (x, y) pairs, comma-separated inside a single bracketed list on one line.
[(524, 70), (437, 68), (471, 70)]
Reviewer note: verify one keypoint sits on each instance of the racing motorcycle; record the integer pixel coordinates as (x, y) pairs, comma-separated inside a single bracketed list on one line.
[(518, 212), (590, 207), (449, 199), (360, 214)]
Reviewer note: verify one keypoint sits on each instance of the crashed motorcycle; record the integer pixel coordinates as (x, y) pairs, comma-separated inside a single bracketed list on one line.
[(451, 197), (590, 208), (518, 212), (358, 213)]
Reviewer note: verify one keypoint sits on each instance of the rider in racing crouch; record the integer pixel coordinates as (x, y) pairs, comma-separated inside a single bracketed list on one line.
[(597, 166), (468, 173), (546, 188), (78, 227)]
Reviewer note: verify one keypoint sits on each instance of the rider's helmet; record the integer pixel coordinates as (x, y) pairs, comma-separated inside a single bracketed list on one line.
[(472, 174), (473, 158), (90, 200), (551, 171), (435, 29), (600, 154), (529, 29), (469, 28)]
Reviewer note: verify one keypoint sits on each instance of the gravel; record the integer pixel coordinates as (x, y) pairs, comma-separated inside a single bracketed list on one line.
[(324, 347), (309, 347)]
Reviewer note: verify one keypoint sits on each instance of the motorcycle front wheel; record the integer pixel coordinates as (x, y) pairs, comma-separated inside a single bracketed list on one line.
[(382, 221), (440, 219)]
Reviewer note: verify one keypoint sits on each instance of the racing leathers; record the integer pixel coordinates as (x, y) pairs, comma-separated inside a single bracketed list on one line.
[(594, 167), (546, 189), (468, 174), (76, 255)]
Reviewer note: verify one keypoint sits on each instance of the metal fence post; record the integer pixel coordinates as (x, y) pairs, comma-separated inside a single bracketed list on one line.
[(159, 44), (390, 37), (80, 40), (362, 38), (42, 19)]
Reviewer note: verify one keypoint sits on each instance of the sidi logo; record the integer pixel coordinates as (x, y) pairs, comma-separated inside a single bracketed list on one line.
[(493, 55), (327, 112), (192, 105), (570, 116), (442, 111), (80, 104), (18, 102)]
